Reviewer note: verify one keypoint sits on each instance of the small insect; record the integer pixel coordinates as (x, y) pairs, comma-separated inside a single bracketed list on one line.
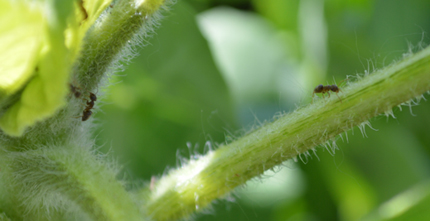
[(326, 89), (75, 90), (86, 114), (90, 104)]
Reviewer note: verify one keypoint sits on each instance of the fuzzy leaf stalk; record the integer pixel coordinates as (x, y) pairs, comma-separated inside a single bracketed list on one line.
[(194, 186)]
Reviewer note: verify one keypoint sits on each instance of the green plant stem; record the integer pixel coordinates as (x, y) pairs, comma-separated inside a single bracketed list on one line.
[(52, 175), (111, 40), (192, 187), (52, 162)]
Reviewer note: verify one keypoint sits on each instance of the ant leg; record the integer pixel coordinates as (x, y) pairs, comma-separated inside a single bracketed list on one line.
[(323, 96), (339, 98), (312, 98), (347, 79), (328, 94)]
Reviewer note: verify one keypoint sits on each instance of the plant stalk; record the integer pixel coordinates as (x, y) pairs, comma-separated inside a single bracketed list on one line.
[(193, 187), (112, 39)]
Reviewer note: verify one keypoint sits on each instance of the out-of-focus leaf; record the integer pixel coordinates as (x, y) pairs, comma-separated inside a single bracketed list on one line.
[(354, 195), (283, 13), (281, 185), (251, 57), (296, 210), (21, 37), (391, 164), (46, 91), (411, 204)]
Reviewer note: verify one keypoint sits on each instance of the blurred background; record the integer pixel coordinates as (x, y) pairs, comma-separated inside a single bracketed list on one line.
[(216, 68)]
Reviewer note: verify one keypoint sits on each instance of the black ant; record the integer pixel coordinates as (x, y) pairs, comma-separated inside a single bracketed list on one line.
[(75, 91), (90, 104), (86, 114), (326, 89)]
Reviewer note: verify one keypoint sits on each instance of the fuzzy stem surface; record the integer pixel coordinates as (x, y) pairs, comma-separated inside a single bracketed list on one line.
[(194, 186), (71, 173), (106, 41)]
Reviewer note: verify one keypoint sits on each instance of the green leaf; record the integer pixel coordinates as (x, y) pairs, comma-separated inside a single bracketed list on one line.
[(39, 44), (45, 93), (412, 204), (21, 35)]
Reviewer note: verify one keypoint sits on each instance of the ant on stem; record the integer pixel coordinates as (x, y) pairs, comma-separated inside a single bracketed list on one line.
[(90, 104), (326, 89), (86, 114), (75, 90)]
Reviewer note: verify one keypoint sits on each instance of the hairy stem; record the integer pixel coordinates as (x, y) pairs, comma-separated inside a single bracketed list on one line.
[(116, 31), (51, 166), (195, 185), (60, 174)]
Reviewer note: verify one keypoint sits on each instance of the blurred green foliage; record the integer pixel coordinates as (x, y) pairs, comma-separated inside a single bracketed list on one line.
[(216, 68)]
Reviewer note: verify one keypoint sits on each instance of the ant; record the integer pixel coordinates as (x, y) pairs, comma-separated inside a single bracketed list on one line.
[(326, 89), (75, 91), (86, 114), (90, 104)]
